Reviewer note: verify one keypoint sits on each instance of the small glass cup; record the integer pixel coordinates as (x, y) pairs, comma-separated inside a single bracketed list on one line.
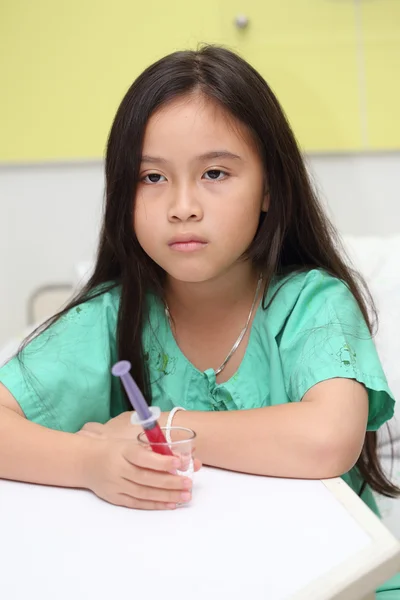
[(182, 445)]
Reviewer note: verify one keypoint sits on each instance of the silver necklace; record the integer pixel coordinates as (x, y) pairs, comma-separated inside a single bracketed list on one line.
[(241, 335)]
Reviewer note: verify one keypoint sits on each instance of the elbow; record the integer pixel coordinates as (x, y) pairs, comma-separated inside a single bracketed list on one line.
[(337, 456)]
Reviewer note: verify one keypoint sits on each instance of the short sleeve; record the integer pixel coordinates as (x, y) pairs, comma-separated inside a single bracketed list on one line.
[(325, 336), (62, 378)]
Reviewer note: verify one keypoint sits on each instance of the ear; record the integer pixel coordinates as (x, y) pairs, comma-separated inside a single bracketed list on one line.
[(266, 202)]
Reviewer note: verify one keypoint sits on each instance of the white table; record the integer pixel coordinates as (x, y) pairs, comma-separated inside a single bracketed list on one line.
[(242, 537)]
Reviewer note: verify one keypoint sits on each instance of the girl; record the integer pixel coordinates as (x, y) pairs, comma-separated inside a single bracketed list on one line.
[(218, 276)]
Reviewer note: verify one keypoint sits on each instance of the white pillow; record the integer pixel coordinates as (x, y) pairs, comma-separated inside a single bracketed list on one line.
[(377, 259)]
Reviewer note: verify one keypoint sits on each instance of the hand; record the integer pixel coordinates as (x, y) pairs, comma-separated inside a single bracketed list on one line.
[(126, 474), (119, 427)]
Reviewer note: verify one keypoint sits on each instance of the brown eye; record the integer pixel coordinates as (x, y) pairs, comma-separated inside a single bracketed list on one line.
[(153, 178), (215, 175)]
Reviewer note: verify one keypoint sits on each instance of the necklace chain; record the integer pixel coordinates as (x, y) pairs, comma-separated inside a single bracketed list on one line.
[(241, 335)]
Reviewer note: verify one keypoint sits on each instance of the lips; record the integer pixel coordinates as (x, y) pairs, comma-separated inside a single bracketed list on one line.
[(186, 238), (187, 242)]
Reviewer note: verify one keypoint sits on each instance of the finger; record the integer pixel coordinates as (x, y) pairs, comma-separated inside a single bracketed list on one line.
[(141, 492), (91, 434), (129, 502), (156, 479), (197, 464), (138, 456), (93, 427)]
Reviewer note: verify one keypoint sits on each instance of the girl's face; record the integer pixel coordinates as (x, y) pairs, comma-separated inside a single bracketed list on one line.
[(201, 190)]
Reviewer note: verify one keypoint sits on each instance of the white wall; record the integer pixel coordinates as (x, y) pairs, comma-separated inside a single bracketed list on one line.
[(362, 191), (49, 220), (50, 214)]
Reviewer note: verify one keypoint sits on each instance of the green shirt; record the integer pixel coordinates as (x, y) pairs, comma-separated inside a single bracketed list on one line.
[(312, 331)]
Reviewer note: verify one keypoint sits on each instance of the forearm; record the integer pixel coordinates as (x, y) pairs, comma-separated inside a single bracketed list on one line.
[(35, 454), (288, 440)]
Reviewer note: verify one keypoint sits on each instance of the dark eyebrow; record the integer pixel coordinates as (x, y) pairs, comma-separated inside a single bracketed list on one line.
[(206, 156), (218, 154), (153, 159)]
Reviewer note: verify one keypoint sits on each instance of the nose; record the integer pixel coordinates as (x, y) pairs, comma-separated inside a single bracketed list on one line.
[(184, 205)]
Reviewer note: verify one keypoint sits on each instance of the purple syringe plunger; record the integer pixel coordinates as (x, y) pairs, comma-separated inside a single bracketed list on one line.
[(122, 369)]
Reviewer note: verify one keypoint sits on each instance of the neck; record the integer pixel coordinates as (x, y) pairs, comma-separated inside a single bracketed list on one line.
[(214, 298)]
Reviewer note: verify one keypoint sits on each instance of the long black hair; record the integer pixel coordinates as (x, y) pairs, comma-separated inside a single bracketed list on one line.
[(296, 235)]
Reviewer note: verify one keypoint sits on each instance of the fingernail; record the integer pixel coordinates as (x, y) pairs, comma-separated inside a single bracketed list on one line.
[(187, 484), (176, 463), (171, 505), (186, 496)]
